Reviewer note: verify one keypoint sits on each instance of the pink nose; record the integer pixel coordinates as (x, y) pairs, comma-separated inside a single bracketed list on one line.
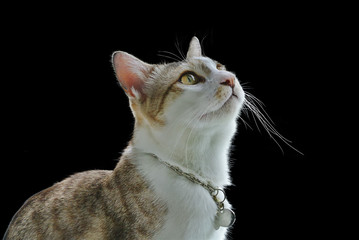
[(228, 80)]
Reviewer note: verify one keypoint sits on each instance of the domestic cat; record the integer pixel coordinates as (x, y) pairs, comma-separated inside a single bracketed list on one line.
[(169, 181)]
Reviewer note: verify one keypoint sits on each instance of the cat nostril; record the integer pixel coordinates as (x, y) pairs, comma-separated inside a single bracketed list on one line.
[(228, 81)]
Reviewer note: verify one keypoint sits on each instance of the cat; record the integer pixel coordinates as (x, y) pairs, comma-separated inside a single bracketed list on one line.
[(162, 187)]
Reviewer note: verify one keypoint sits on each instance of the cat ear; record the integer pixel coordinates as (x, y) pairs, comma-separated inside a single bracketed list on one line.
[(194, 49), (132, 73)]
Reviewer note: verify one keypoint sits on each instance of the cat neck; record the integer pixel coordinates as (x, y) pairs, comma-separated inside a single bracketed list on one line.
[(201, 151)]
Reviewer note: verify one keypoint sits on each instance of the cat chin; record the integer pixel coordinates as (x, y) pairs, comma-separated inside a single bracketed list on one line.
[(227, 112)]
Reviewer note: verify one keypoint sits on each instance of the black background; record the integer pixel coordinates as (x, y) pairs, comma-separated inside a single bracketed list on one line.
[(65, 112)]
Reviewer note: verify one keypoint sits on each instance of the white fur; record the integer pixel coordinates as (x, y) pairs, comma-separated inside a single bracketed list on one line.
[(195, 134), (196, 137), (191, 210)]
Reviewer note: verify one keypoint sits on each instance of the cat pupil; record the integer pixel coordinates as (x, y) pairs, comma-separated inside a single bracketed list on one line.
[(188, 79)]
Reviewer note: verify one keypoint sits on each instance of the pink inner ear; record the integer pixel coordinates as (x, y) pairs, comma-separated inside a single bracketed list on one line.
[(128, 80), (129, 72)]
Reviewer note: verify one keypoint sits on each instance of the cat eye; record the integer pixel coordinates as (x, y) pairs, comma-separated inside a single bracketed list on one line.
[(189, 79)]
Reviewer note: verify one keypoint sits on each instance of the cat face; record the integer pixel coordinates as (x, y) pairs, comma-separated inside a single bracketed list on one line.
[(196, 92)]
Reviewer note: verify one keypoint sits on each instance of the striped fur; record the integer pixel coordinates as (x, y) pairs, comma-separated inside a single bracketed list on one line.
[(190, 126)]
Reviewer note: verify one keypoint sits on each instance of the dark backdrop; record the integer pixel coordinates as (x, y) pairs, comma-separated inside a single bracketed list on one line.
[(65, 112)]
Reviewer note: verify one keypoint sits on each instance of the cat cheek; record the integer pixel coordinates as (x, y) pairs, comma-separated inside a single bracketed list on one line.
[(220, 93)]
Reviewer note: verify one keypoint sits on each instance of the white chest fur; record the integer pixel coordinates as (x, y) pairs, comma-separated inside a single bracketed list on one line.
[(191, 209)]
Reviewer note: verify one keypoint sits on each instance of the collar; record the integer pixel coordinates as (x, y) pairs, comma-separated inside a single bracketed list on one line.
[(225, 217)]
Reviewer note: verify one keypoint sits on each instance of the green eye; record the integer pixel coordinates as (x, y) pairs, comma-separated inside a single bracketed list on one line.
[(189, 79)]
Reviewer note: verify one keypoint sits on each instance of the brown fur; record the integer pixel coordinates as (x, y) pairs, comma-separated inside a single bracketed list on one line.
[(98, 204), (158, 94), (117, 204)]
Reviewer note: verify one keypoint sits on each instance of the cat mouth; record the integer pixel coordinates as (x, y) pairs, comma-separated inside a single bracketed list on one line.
[(233, 97)]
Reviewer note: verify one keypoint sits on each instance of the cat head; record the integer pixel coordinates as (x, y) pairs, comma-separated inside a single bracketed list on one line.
[(196, 92)]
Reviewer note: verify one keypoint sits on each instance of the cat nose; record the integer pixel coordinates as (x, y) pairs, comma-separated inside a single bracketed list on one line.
[(228, 80)]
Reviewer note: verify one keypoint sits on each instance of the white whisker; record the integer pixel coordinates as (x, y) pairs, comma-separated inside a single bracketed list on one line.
[(245, 86), (245, 123), (256, 107), (170, 55), (261, 106), (179, 50)]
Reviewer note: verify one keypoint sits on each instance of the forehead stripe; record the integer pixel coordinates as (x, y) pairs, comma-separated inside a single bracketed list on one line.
[(163, 98)]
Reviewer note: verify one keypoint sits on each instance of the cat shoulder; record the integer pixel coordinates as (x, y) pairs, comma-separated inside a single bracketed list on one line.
[(42, 206)]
